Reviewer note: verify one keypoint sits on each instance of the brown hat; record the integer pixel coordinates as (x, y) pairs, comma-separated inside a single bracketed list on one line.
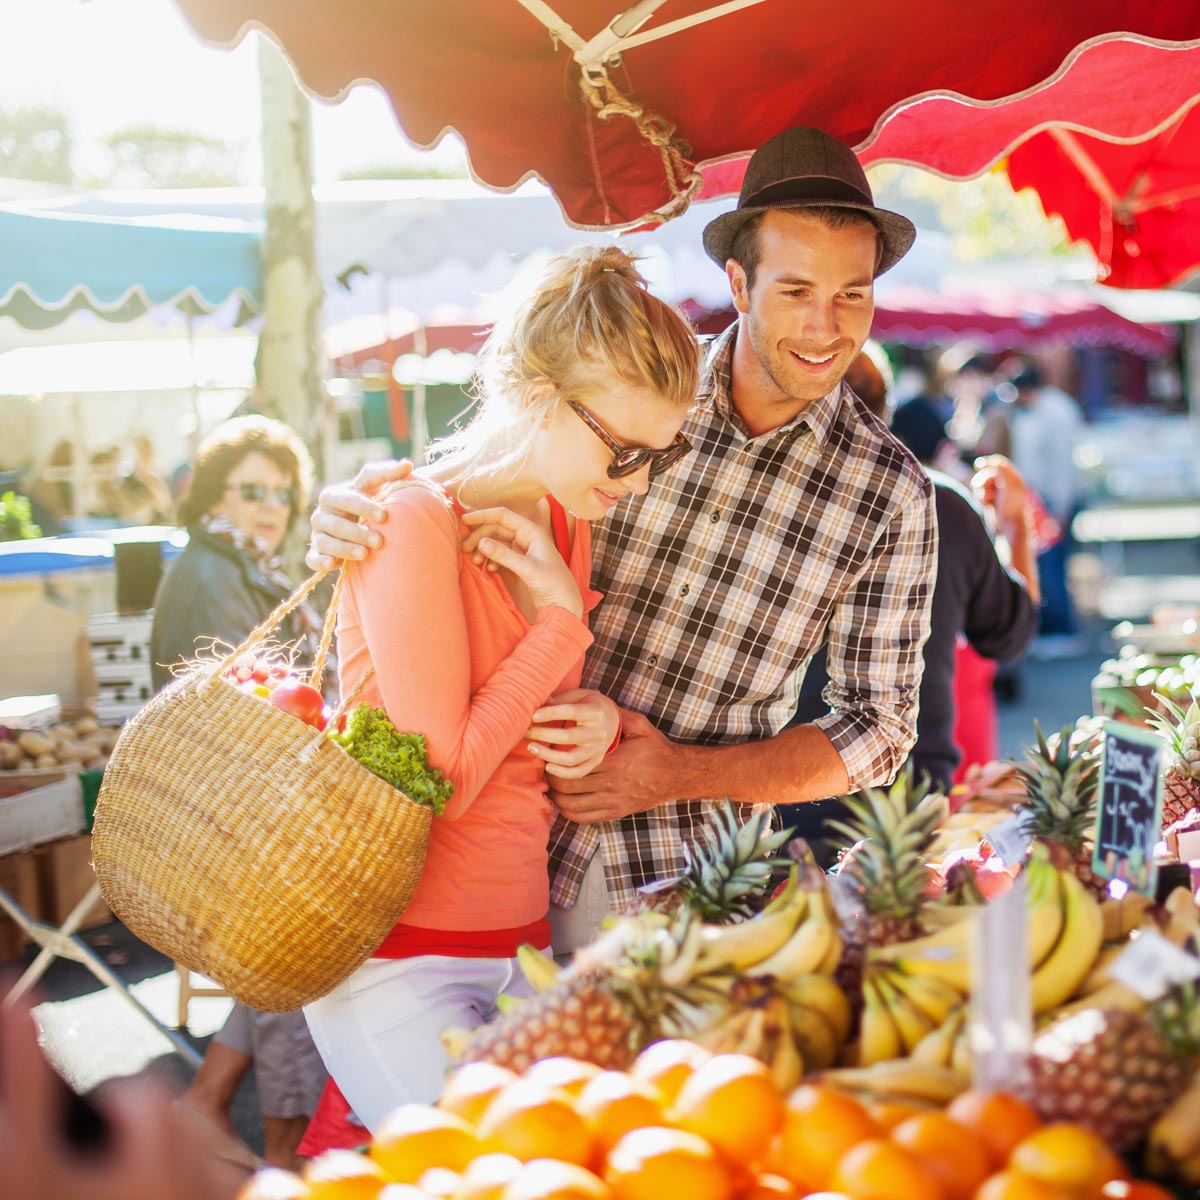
[(803, 168)]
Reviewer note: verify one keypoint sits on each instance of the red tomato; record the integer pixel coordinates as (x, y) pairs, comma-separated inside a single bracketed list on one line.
[(301, 700), (260, 674)]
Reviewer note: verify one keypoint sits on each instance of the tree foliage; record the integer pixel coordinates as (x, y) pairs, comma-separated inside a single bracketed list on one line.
[(145, 156), (36, 145)]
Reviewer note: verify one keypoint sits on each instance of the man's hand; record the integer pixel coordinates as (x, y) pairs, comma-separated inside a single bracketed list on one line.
[(640, 774), (342, 508)]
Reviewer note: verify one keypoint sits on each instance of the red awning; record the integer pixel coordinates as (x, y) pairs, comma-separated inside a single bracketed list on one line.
[(613, 109)]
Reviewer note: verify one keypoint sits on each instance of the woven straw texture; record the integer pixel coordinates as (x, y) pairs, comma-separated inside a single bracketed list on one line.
[(244, 844)]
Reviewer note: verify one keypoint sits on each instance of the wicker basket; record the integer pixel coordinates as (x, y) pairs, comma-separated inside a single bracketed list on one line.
[(246, 845)]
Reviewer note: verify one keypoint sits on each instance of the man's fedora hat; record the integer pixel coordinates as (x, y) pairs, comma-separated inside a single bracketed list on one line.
[(802, 168)]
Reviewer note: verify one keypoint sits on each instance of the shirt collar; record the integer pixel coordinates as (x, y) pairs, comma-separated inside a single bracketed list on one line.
[(717, 390)]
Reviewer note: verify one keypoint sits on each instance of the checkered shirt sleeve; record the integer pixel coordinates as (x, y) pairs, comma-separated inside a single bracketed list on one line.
[(728, 575)]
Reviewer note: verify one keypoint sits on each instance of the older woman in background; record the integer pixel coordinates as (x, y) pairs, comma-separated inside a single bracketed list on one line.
[(251, 478)]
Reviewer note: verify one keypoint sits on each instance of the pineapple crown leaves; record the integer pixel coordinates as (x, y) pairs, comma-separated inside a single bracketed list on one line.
[(1175, 1018), (1180, 729), (893, 831), (1061, 778), (731, 865)]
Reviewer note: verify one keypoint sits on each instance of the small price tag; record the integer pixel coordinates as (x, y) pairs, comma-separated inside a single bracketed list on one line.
[(1151, 964), (1129, 807), (1010, 839)]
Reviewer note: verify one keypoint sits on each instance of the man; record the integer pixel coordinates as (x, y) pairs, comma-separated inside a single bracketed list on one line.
[(791, 524), (993, 606)]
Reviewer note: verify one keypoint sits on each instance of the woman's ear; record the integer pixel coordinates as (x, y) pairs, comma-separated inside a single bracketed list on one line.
[(541, 394)]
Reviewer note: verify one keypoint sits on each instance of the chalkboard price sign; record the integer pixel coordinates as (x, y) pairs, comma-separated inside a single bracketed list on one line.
[(1129, 809)]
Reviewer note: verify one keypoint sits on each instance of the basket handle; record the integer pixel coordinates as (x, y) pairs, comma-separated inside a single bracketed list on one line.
[(263, 631)]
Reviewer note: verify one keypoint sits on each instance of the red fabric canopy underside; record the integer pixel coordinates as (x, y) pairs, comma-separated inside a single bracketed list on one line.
[(491, 71)]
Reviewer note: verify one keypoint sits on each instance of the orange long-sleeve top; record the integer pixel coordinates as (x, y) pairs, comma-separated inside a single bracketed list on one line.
[(456, 660)]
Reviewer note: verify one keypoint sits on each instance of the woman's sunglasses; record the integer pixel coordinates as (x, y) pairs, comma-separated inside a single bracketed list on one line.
[(257, 493), (628, 459)]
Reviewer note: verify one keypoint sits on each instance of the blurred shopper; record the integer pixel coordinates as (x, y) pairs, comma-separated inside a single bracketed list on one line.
[(252, 477), (976, 596), (133, 1145), (1046, 427)]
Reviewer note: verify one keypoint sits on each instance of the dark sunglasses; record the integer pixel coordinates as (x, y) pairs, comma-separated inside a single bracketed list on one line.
[(628, 459), (257, 493)]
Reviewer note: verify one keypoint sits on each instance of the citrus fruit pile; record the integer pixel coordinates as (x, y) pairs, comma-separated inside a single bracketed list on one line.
[(686, 1123)]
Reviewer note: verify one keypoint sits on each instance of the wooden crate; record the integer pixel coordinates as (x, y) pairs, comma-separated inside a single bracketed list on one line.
[(65, 874), (19, 878)]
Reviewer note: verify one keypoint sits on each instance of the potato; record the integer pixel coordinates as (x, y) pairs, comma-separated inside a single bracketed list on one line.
[(86, 725), (35, 743), (71, 752), (10, 755), (45, 762), (26, 764)]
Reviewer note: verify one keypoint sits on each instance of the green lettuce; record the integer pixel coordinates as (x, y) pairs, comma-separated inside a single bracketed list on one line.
[(401, 759)]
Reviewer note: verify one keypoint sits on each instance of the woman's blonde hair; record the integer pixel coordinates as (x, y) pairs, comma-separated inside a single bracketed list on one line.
[(587, 318)]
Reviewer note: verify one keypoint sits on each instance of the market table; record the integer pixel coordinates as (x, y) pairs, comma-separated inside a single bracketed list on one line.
[(28, 820)]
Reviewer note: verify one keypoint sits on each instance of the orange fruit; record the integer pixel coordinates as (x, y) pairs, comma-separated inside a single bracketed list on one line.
[(890, 1113), (437, 1183), (999, 1119), (529, 1120), (656, 1163), (733, 1102), (1069, 1157), (548, 1179), (1134, 1189), (273, 1183), (487, 1176), (668, 1065), (819, 1127), (472, 1088), (767, 1187), (878, 1169), (952, 1152), (1012, 1185), (415, 1137), (343, 1175), (612, 1103), (570, 1074)]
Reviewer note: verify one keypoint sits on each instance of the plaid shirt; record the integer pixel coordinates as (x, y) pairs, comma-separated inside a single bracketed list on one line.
[(728, 575)]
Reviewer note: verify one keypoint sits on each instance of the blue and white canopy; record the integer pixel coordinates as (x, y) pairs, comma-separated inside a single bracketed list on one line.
[(53, 264)]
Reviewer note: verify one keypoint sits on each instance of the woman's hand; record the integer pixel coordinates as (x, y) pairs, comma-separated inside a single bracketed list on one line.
[(342, 508), (572, 752), (528, 551)]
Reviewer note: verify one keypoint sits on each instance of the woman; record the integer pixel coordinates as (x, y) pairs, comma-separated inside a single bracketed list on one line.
[(583, 390), (251, 478)]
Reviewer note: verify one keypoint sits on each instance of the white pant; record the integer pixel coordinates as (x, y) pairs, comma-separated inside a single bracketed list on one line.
[(378, 1031), (573, 927)]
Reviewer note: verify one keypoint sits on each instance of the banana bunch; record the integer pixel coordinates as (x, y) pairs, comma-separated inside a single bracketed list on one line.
[(1173, 1147), (794, 1026), (900, 1011), (903, 1079), (1066, 931), (795, 935)]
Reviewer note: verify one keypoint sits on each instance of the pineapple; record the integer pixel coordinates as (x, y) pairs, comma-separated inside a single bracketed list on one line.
[(1181, 780), (1113, 1071), (891, 834), (1061, 778), (723, 878), (618, 995)]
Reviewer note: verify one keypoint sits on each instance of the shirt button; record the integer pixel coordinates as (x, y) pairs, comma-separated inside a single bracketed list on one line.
[(716, 516), (683, 591), (652, 660)]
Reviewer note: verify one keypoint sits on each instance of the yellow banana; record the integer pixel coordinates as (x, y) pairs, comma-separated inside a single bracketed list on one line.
[(878, 1037), (1183, 917), (1175, 1137), (1098, 977), (933, 997), (455, 1041), (780, 1049), (1047, 910), (1122, 917), (742, 947), (803, 952), (960, 1054), (1068, 964), (942, 916), (821, 994), (682, 968), (1113, 994), (829, 964), (539, 968), (901, 1079), (937, 1048), (911, 1023), (815, 1037), (506, 1003)]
